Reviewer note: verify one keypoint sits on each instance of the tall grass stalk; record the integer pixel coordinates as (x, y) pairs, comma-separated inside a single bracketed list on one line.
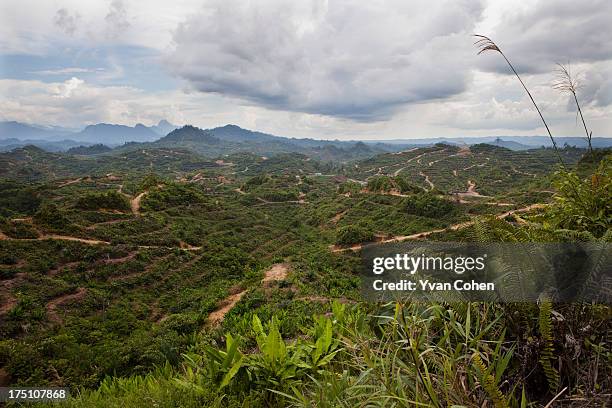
[(485, 44), (568, 83)]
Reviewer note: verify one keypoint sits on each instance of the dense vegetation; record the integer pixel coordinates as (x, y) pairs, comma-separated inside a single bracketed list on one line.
[(111, 271), (88, 150), (111, 200)]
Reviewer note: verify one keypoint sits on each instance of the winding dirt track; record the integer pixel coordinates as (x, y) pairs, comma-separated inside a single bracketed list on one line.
[(135, 203), (299, 201), (52, 305), (228, 303), (69, 182), (398, 171), (68, 238), (471, 191), (424, 234), (57, 237), (427, 180), (524, 173), (338, 216), (182, 246), (277, 272)]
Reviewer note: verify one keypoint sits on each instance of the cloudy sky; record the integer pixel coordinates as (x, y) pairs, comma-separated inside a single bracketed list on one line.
[(312, 68)]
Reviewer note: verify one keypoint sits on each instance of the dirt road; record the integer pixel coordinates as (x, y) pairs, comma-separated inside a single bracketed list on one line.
[(275, 273), (424, 234), (135, 203), (427, 180)]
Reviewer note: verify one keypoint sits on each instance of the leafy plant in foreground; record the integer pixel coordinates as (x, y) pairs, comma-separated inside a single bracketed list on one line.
[(220, 367), (276, 365)]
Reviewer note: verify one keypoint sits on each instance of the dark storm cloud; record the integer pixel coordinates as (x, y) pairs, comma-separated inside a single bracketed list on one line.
[(596, 85), (549, 32), (563, 31), (351, 59)]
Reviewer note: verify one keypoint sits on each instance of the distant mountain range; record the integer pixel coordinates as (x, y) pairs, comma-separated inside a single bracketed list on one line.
[(109, 134), (116, 134), (509, 142), (232, 138), (22, 131)]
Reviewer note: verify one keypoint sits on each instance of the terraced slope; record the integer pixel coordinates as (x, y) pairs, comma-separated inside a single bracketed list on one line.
[(109, 265)]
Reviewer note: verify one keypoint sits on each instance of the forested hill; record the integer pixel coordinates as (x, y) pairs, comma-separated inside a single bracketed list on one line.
[(232, 139)]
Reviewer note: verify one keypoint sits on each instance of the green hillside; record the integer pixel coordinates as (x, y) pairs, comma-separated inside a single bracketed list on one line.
[(160, 276)]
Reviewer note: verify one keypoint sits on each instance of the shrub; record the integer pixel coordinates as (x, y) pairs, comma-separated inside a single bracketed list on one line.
[(380, 184), (256, 181), (354, 234), (20, 230), (428, 205), (49, 215), (150, 180), (111, 200), (405, 186), (349, 187), (279, 196), (172, 195), (583, 204), (17, 198)]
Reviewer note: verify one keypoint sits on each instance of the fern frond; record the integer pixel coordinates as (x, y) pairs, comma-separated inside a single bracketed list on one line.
[(547, 355), (488, 383)]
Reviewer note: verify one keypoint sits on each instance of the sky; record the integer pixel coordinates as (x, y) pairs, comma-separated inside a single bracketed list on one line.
[(345, 69)]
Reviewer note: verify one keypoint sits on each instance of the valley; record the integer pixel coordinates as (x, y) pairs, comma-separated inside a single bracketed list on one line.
[(117, 263)]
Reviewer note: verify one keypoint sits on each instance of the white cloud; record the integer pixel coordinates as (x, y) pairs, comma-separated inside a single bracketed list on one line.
[(66, 71), (75, 102), (66, 89)]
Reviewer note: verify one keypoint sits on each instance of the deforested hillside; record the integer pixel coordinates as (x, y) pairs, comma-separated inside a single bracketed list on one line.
[(117, 272)]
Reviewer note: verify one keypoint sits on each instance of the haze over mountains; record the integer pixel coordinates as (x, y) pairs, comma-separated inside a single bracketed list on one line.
[(109, 134), (232, 138), (510, 142)]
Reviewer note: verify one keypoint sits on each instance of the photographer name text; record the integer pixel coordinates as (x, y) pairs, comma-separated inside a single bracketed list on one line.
[(413, 264), (426, 285)]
